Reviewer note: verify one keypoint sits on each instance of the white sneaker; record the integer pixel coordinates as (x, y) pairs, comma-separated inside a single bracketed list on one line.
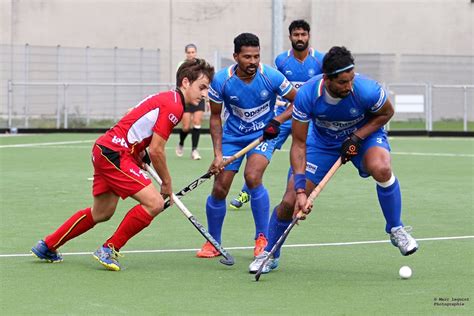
[(179, 150), (195, 155), (400, 238), (271, 264)]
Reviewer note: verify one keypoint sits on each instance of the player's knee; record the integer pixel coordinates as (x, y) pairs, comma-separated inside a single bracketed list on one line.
[(154, 205), (382, 173), (219, 192), (253, 180)]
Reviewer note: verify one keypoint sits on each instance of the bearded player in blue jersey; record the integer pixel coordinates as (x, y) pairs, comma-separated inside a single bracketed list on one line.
[(348, 112), (248, 91), (298, 65)]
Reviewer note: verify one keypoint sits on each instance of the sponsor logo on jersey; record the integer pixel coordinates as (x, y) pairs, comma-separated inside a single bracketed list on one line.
[(311, 167), (234, 98), (284, 84), (264, 94), (250, 115), (253, 127), (173, 119), (140, 173), (337, 125), (311, 72), (120, 141), (297, 84), (288, 72), (354, 112)]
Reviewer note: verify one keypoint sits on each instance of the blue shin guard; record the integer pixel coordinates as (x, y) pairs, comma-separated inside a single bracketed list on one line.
[(215, 212), (390, 199), (260, 204)]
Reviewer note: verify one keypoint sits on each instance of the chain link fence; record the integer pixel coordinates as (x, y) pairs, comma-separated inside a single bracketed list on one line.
[(64, 87)]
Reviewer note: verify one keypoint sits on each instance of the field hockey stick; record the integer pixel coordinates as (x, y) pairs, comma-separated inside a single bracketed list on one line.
[(309, 202), (228, 259), (193, 185)]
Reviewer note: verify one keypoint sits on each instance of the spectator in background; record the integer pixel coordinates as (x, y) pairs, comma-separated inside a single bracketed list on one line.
[(193, 113)]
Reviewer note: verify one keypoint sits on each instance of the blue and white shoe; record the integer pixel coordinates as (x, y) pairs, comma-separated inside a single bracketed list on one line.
[(400, 238), (271, 264), (107, 256), (42, 251)]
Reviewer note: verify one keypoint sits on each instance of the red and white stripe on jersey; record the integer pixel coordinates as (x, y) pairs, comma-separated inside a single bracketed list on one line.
[(158, 113)]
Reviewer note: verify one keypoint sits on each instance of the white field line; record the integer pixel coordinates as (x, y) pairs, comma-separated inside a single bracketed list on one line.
[(350, 243), (56, 145), (46, 144)]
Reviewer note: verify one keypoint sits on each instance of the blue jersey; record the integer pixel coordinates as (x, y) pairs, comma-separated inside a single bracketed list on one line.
[(332, 123), (296, 71), (249, 105)]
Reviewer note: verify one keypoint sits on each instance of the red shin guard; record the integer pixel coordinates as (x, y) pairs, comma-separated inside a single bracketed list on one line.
[(134, 222), (76, 225)]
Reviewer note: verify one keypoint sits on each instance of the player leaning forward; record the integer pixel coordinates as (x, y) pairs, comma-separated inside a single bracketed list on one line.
[(117, 160), (348, 112)]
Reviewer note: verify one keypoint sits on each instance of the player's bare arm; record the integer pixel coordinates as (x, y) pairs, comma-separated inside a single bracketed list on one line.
[(298, 160), (215, 125), (283, 117), (158, 158), (378, 120)]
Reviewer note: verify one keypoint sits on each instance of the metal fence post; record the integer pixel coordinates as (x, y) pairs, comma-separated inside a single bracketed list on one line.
[(87, 88), (429, 118), (10, 103), (65, 109), (115, 84), (58, 76), (27, 77), (465, 109)]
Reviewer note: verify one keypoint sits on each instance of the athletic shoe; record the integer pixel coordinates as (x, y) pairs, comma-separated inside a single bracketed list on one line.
[(260, 244), (42, 251), (237, 203), (107, 256), (271, 264), (400, 238), (208, 251), (179, 150), (195, 155)]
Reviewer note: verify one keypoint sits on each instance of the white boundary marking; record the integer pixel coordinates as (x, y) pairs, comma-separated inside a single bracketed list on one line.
[(351, 243), (56, 145)]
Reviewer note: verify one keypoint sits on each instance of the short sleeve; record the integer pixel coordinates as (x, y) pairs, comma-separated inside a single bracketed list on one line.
[(302, 104), (215, 91)]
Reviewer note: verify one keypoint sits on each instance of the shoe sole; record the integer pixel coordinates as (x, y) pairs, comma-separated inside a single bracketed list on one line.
[(235, 207), (44, 259), (410, 252), (208, 256), (111, 267)]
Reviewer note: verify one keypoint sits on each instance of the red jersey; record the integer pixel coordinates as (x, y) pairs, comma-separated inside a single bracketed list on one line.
[(158, 113)]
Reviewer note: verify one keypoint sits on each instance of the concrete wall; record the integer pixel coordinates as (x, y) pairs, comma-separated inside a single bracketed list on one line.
[(364, 26)]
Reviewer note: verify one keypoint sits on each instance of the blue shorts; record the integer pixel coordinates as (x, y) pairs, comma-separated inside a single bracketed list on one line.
[(320, 159), (232, 145)]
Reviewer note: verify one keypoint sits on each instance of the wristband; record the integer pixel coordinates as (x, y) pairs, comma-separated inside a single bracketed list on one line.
[(300, 181)]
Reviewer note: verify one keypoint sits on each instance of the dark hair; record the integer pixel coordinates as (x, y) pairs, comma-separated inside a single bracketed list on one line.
[(245, 39), (193, 69), (190, 46), (335, 60), (299, 24)]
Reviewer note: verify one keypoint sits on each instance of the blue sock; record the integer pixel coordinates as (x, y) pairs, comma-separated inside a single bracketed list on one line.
[(390, 199), (215, 212), (275, 230), (260, 204), (245, 188)]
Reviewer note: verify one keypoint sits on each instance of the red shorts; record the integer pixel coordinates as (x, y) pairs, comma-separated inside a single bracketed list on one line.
[(116, 172)]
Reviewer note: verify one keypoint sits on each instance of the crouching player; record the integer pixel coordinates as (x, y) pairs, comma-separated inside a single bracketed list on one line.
[(348, 112), (117, 160)]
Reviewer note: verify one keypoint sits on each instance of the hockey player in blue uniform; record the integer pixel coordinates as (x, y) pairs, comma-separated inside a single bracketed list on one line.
[(348, 112), (248, 91), (298, 65)]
